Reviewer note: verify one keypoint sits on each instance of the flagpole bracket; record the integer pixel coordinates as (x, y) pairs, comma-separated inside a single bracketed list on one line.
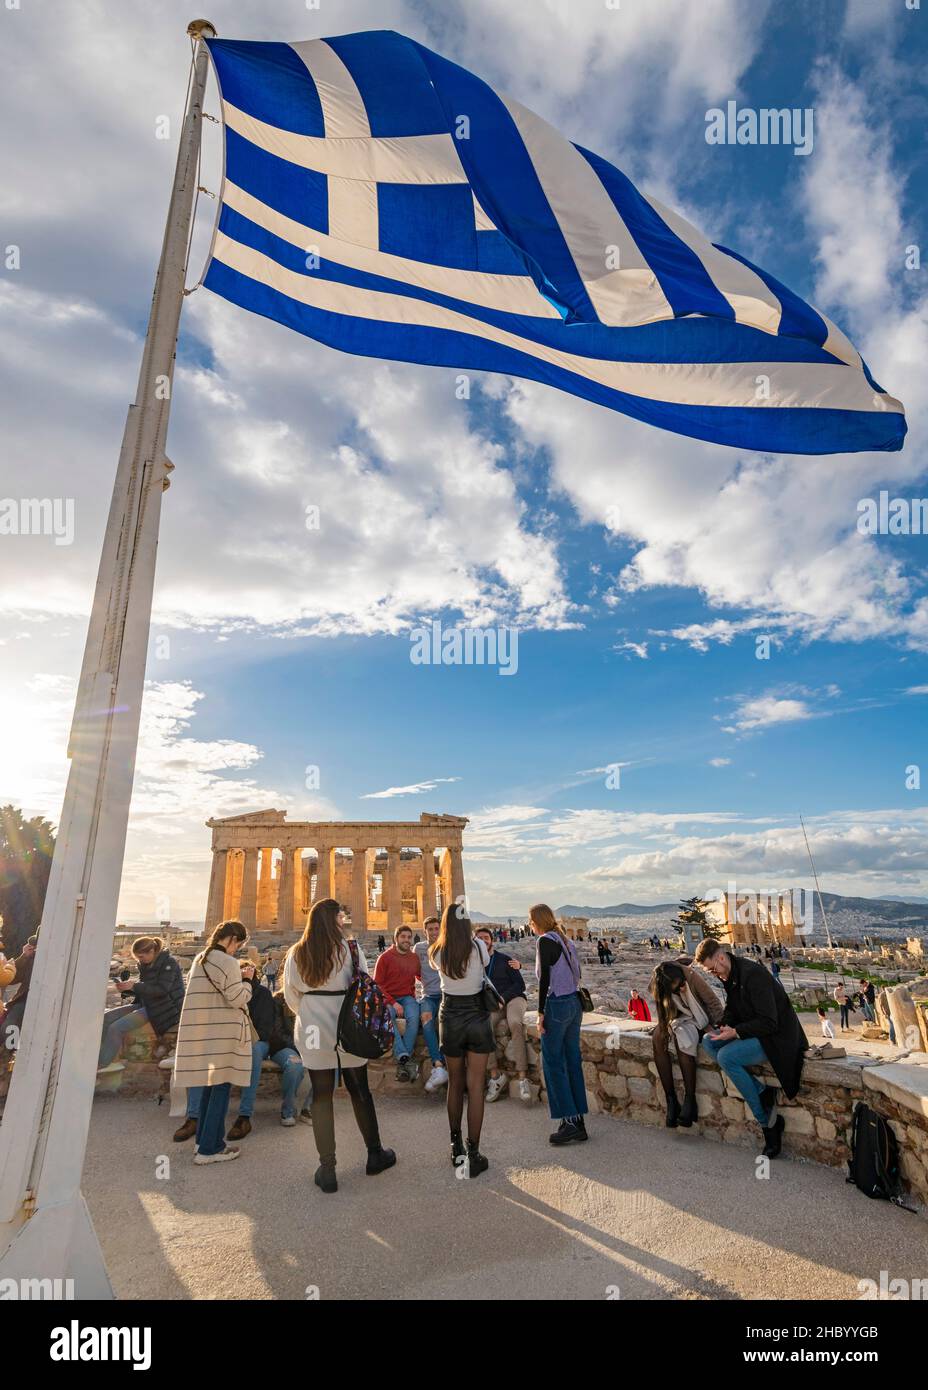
[(201, 29)]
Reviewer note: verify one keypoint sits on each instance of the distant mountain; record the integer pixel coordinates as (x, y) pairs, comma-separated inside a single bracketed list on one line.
[(899, 912), (620, 910)]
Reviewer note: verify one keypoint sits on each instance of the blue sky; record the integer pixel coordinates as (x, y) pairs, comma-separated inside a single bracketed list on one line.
[(639, 568)]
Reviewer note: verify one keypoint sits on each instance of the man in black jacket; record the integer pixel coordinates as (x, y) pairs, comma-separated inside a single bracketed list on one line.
[(157, 996), (759, 1026)]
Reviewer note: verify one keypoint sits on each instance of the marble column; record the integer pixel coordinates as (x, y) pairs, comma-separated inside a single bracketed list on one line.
[(457, 874), (298, 914), (249, 899), (323, 872), (394, 892), (358, 904), (428, 882), (216, 898), (265, 911), (285, 891), (233, 884)]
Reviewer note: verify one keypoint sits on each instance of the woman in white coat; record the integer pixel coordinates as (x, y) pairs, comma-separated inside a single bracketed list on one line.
[(214, 1036), (317, 972)]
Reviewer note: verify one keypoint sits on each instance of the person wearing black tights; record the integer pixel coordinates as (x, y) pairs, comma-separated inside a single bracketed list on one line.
[(686, 1004), (317, 972), (464, 1032)]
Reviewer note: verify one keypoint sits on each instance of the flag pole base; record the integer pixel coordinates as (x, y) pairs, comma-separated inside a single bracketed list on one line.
[(56, 1255)]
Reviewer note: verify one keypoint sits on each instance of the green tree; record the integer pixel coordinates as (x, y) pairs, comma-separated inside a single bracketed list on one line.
[(692, 913), (26, 848)]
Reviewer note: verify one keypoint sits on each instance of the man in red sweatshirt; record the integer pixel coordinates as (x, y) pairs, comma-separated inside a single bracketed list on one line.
[(638, 1007), (396, 972)]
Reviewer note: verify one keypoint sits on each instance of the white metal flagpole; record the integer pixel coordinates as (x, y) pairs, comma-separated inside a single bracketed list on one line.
[(45, 1227)]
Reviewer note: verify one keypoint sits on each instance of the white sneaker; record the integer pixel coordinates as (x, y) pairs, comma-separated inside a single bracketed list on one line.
[(495, 1087), (437, 1077), (222, 1157), (288, 1121), (525, 1090), (111, 1069)]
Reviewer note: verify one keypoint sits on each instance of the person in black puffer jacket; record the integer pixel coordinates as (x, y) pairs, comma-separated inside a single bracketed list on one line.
[(157, 996), (273, 1023)]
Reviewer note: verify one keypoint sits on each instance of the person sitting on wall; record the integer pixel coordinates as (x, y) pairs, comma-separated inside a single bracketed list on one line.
[(157, 996), (759, 1026), (687, 1003)]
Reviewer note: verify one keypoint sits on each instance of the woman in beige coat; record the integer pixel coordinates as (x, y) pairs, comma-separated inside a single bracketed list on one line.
[(214, 1036)]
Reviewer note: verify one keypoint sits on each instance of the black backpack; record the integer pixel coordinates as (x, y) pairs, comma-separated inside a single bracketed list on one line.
[(874, 1162)]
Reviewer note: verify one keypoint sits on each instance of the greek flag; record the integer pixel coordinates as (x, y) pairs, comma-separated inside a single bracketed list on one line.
[(385, 201)]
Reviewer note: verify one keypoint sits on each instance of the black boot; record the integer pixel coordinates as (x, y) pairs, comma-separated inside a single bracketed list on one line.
[(689, 1112), (673, 1110), (379, 1160), (325, 1176), (568, 1132), (773, 1138), (458, 1151), (476, 1163)]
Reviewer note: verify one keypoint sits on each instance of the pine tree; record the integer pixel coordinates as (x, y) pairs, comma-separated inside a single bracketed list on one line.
[(692, 913)]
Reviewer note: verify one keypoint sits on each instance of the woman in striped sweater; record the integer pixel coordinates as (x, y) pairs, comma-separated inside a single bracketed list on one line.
[(214, 1036)]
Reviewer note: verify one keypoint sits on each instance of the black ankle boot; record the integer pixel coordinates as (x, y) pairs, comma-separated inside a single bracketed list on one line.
[(689, 1112), (379, 1160), (458, 1151), (476, 1163), (325, 1176), (673, 1110)]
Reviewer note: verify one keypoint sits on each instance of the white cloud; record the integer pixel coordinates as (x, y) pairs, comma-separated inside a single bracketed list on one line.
[(720, 762), (412, 790)]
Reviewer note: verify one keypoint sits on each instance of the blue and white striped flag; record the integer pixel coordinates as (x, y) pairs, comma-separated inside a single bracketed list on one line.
[(388, 202)]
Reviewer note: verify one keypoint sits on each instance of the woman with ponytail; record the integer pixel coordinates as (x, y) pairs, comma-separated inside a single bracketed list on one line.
[(559, 1014)]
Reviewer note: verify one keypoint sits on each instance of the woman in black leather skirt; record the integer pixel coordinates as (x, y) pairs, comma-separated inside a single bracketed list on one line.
[(464, 1032)]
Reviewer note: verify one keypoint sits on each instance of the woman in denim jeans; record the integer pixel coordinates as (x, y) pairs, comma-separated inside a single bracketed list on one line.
[(559, 1015)]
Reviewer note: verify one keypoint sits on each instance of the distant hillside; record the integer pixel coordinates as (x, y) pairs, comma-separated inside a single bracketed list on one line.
[(620, 910), (891, 911)]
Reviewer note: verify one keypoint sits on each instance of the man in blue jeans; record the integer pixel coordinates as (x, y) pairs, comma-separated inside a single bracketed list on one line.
[(759, 1027), (429, 994)]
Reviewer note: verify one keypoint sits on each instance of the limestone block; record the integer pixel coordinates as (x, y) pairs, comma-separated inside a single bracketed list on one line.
[(798, 1121), (905, 1022), (709, 1081), (734, 1110), (638, 1045), (825, 1129), (842, 1071), (594, 1106), (628, 1067), (640, 1089), (615, 1086), (905, 1084)]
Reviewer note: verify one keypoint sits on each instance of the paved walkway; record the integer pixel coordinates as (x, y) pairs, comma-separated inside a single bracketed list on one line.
[(650, 1213)]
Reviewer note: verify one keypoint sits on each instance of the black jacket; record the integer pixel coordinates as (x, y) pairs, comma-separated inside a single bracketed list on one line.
[(160, 991), (508, 982), (282, 1031), (759, 1007), (261, 1008)]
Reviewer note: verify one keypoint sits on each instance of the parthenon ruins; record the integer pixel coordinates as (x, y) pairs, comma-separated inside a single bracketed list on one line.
[(267, 871)]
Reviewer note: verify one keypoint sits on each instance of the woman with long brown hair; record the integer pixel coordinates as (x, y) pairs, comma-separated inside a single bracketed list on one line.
[(214, 1036), (559, 1015), (317, 972), (464, 1031)]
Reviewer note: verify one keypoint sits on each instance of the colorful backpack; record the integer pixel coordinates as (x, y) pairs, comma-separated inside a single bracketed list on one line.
[(365, 1022)]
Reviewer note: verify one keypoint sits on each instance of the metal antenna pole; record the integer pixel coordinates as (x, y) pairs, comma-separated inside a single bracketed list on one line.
[(817, 889), (45, 1227)]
